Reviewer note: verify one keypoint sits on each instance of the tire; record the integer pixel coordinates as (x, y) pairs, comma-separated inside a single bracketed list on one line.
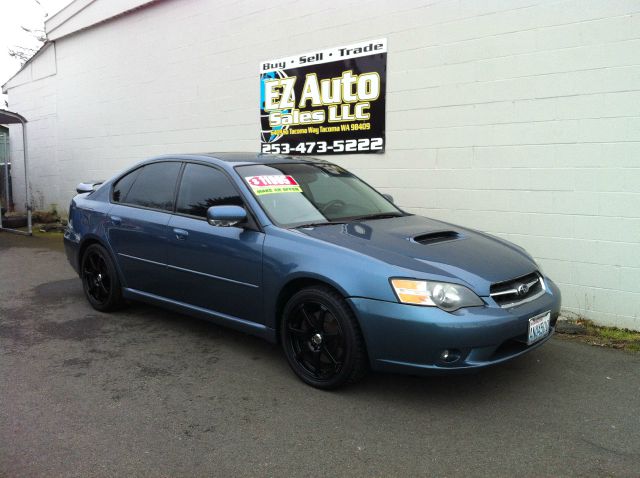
[(100, 280), (322, 340)]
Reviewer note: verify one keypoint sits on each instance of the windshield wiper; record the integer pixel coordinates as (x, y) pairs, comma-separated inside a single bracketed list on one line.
[(316, 224), (381, 215)]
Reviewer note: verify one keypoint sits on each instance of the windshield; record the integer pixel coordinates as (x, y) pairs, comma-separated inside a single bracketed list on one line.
[(302, 194)]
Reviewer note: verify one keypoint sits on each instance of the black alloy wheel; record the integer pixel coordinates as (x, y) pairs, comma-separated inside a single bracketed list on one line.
[(100, 280), (322, 340)]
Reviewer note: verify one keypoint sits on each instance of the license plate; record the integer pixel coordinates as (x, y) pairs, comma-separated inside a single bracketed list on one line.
[(538, 327)]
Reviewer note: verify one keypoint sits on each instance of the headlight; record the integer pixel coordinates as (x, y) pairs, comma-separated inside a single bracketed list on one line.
[(446, 296)]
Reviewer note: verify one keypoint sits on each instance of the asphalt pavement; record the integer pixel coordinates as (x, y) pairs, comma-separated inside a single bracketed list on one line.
[(146, 392)]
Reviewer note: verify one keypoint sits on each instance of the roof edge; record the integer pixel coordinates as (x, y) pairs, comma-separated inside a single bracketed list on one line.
[(41, 50), (63, 11), (66, 12), (81, 15)]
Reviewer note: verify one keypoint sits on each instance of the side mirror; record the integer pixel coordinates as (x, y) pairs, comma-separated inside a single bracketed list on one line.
[(389, 198), (226, 216), (87, 186)]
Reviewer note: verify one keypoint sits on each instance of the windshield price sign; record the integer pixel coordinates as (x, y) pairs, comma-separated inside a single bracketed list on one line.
[(325, 102), (273, 184)]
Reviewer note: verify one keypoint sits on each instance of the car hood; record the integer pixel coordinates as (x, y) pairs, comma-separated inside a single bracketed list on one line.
[(432, 248)]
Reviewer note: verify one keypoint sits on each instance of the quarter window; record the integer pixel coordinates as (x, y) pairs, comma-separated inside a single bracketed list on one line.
[(154, 187), (121, 188), (203, 187)]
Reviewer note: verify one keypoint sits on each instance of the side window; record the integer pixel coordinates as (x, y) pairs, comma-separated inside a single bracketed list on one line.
[(155, 186), (121, 188), (203, 187)]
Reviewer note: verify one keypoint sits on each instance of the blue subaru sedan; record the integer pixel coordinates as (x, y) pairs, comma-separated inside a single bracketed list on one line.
[(303, 253)]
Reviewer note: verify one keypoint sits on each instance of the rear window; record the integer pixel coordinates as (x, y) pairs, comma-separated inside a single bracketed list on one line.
[(153, 186), (121, 188)]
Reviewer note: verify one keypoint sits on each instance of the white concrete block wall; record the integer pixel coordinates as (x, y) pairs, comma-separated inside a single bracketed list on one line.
[(516, 117)]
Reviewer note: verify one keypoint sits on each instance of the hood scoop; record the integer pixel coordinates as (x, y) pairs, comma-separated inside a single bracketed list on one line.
[(436, 237)]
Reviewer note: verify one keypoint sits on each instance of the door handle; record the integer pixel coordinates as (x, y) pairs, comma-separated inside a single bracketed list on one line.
[(115, 220), (181, 234)]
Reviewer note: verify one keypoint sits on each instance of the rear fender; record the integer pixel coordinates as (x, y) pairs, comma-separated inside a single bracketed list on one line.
[(94, 239), (88, 223)]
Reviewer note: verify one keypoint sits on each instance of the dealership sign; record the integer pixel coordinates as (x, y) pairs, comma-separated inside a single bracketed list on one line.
[(325, 102)]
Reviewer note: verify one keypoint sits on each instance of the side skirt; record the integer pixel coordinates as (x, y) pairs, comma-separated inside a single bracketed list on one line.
[(224, 320)]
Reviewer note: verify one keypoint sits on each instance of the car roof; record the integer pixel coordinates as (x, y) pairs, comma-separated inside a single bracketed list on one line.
[(242, 158)]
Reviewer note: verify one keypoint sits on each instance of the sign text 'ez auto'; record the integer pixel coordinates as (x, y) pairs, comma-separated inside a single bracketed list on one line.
[(325, 102)]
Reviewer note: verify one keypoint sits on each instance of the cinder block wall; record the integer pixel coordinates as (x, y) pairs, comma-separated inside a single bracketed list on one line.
[(520, 118)]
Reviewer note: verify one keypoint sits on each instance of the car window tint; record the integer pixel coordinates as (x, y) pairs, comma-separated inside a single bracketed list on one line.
[(203, 187), (121, 188), (155, 186)]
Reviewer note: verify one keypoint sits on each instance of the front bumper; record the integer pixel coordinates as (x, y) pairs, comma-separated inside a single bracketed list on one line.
[(410, 339)]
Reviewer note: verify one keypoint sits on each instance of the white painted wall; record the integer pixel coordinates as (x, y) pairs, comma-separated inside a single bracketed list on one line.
[(517, 117)]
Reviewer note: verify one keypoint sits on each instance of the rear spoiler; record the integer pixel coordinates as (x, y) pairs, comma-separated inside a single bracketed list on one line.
[(88, 186)]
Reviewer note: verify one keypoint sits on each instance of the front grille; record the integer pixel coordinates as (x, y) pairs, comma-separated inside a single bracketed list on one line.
[(517, 291)]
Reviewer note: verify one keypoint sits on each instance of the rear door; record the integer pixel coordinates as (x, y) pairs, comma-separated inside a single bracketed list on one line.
[(137, 224), (217, 268)]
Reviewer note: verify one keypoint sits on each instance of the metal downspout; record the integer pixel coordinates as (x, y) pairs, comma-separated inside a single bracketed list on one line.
[(26, 176)]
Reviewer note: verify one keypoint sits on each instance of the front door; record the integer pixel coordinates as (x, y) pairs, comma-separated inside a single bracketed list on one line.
[(216, 268)]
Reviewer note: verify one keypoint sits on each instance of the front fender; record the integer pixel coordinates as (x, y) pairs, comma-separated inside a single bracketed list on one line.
[(290, 255)]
